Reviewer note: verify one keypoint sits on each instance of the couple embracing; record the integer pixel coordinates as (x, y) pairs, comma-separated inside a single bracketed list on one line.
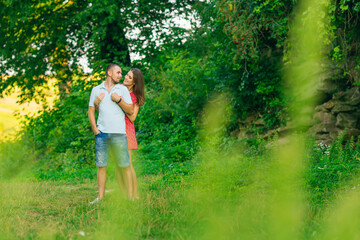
[(118, 106)]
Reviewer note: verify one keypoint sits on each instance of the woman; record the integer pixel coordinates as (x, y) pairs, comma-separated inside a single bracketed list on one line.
[(134, 81)]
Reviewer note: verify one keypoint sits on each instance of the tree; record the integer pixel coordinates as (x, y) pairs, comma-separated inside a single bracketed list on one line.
[(47, 38), (256, 49)]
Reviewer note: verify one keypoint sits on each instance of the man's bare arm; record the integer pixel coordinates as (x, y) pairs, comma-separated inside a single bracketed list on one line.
[(93, 121), (127, 108)]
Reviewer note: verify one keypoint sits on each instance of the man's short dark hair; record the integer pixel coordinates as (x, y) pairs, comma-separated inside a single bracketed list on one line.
[(110, 66)]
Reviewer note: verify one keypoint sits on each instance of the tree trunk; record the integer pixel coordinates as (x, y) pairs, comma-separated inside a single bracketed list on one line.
[(114, 48)]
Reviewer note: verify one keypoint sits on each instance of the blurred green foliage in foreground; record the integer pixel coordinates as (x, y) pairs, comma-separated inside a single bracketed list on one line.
[(224, 190), (195, 180)]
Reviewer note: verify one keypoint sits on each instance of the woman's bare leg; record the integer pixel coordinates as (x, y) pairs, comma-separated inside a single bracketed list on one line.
[(121, 181), (135, 193)]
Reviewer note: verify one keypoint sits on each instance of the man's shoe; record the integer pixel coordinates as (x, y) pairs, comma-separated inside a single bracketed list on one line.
[(95, 201)]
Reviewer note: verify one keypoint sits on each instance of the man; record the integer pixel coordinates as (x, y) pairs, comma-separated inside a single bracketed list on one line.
[(110, 134)]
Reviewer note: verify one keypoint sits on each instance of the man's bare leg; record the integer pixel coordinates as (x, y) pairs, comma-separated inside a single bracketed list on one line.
[(101, 178)]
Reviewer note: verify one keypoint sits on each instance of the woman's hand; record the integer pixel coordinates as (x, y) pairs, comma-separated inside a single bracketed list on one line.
[(115, 97), (98, 99)]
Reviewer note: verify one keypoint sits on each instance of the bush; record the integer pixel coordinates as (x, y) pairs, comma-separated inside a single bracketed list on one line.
[(330, 169), (15, 157), (61, 136)]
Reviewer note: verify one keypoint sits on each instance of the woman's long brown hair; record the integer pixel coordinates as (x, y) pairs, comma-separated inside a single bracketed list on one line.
[(139, 89)]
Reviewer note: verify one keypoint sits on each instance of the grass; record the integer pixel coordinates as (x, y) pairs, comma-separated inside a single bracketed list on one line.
[(32, 210), (36, 210), (230, 197)]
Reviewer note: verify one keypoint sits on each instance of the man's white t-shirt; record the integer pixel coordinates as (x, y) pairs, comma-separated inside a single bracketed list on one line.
[(111, 117)]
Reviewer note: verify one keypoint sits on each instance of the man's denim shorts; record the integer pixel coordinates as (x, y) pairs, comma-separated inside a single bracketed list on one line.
[(115, 143)]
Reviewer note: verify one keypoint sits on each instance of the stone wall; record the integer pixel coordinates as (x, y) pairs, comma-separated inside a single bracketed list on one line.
[(339, 115)]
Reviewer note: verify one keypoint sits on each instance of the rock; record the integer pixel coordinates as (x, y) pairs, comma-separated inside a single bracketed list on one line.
[(346, 120), (324, 117), (320, 108), (329, 105), (343, 108), (339, 96), (235, 133), (281, 132), (326, 106), (322, 128), (259, 122), (242, 134), (248, 120), (350, 97), (322, 136), (354, 94)]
